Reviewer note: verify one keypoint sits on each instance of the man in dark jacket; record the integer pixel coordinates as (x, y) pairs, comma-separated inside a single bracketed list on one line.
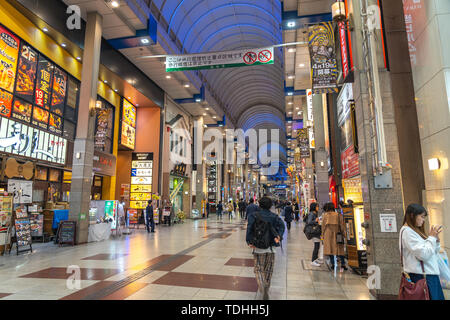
[(251, 208), (149, 217), (264, 257)]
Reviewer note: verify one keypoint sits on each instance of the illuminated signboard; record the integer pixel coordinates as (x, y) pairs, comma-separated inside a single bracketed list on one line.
[(9, 52), (128, 128), (141, 180), (23, 140)]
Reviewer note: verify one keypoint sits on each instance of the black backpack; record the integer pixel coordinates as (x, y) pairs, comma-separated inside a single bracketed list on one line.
[(262, 233)]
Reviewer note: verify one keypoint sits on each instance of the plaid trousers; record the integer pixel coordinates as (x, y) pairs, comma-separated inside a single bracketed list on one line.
[(264, 268)]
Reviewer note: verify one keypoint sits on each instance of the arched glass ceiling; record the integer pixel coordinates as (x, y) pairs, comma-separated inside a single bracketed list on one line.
[(254, 96)]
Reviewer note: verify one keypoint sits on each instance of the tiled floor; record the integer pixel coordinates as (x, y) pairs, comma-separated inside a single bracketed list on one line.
[(197, 260)]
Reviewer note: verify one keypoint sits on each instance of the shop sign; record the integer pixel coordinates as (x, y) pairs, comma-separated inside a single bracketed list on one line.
[(20, 139), (323, 58), (349, 163), (26, 73), (21, 190), (309, 103), (343, 103), (141, 172), (344, 50), (353, 189), (9, 52), (104, 163), (215, 60)]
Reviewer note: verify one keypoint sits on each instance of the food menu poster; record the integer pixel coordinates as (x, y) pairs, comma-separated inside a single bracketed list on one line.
[(9, 52), (26, 73)]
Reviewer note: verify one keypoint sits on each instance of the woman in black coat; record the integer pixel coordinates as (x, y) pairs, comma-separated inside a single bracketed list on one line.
[(288, 215)]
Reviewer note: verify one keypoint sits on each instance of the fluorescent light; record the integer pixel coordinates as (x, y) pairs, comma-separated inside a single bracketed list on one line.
[(115, 4), (434, 164)]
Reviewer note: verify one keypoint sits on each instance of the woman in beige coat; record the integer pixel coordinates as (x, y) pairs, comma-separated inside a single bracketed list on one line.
[(332, 223)]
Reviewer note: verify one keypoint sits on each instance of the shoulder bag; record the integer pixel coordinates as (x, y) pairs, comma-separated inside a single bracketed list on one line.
[(408, 289)]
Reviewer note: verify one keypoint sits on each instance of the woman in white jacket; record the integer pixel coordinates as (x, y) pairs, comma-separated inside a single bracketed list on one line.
[(419, 247)]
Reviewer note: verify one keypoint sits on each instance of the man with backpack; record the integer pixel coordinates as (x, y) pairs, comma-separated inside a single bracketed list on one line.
[(264, 231)]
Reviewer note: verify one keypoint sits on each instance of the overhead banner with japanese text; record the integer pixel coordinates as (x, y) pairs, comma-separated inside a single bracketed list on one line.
[(216, 60), (323, 58)]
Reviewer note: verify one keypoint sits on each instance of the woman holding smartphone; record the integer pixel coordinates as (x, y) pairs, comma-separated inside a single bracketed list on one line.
[(420, 251)]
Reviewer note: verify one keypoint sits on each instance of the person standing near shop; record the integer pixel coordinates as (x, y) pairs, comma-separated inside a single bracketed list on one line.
[(264, 232), (149, 217), (332, 225), (420, 252), (219, 210)]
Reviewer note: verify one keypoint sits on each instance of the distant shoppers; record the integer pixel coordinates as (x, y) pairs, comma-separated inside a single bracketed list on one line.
[(264, 231), (242, 205), (230, 208), (296, 211), (333, 232), (313, 223), (252, 207), (219, 210), (150, 222), (420, 251), (288, 215)]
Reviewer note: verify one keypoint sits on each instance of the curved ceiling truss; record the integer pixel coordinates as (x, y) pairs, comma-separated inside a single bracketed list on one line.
[(253, 96)]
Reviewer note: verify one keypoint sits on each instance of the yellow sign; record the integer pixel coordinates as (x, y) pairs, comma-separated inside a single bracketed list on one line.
[(353, 189), (141, 188), (9, 53), (140, 196), (129, 114)]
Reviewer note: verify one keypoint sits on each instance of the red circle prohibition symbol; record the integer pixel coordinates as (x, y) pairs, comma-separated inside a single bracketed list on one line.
[(265, 56), (250, 58)]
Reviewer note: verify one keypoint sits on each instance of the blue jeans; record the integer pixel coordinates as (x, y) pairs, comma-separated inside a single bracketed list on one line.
[(434, 285)]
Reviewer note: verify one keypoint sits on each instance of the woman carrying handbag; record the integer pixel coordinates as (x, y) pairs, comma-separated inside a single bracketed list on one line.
[(419, 253)]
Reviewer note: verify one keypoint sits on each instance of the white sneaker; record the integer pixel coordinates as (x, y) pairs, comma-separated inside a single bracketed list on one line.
[(315, 264)]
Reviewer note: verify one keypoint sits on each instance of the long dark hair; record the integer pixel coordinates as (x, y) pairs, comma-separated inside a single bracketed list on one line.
[(410, 218)]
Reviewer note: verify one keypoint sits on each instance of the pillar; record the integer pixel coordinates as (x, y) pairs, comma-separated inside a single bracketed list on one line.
[(320, 159), (80, 192)]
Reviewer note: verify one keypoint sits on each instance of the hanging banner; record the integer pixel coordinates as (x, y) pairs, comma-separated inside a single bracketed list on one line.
[(323, 58), (216, 60)]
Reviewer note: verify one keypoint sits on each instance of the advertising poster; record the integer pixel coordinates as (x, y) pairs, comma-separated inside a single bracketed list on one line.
[(26, 73), (43, 84), (5, 103), (40, 117), (59, 91), (9, 53), (128, 136), (22, 110), (55, 124), (323, 58), (129, 114)]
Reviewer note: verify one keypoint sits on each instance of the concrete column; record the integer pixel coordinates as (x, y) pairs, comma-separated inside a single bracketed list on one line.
[(80, 192), (321, 162), (382, 250)]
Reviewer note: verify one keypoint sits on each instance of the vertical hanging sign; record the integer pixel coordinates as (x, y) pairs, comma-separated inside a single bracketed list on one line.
[(323, 58)]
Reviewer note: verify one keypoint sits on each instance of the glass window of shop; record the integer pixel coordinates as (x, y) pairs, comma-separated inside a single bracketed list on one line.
[(39, 98)]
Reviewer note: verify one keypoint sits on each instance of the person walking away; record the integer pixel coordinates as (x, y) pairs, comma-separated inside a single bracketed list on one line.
[(420, 251), (296, 211), (230, 208), (288, 215), (252, 207), (219, 210), (313, 220), (332, 225), (149, 217), (264, 232)]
